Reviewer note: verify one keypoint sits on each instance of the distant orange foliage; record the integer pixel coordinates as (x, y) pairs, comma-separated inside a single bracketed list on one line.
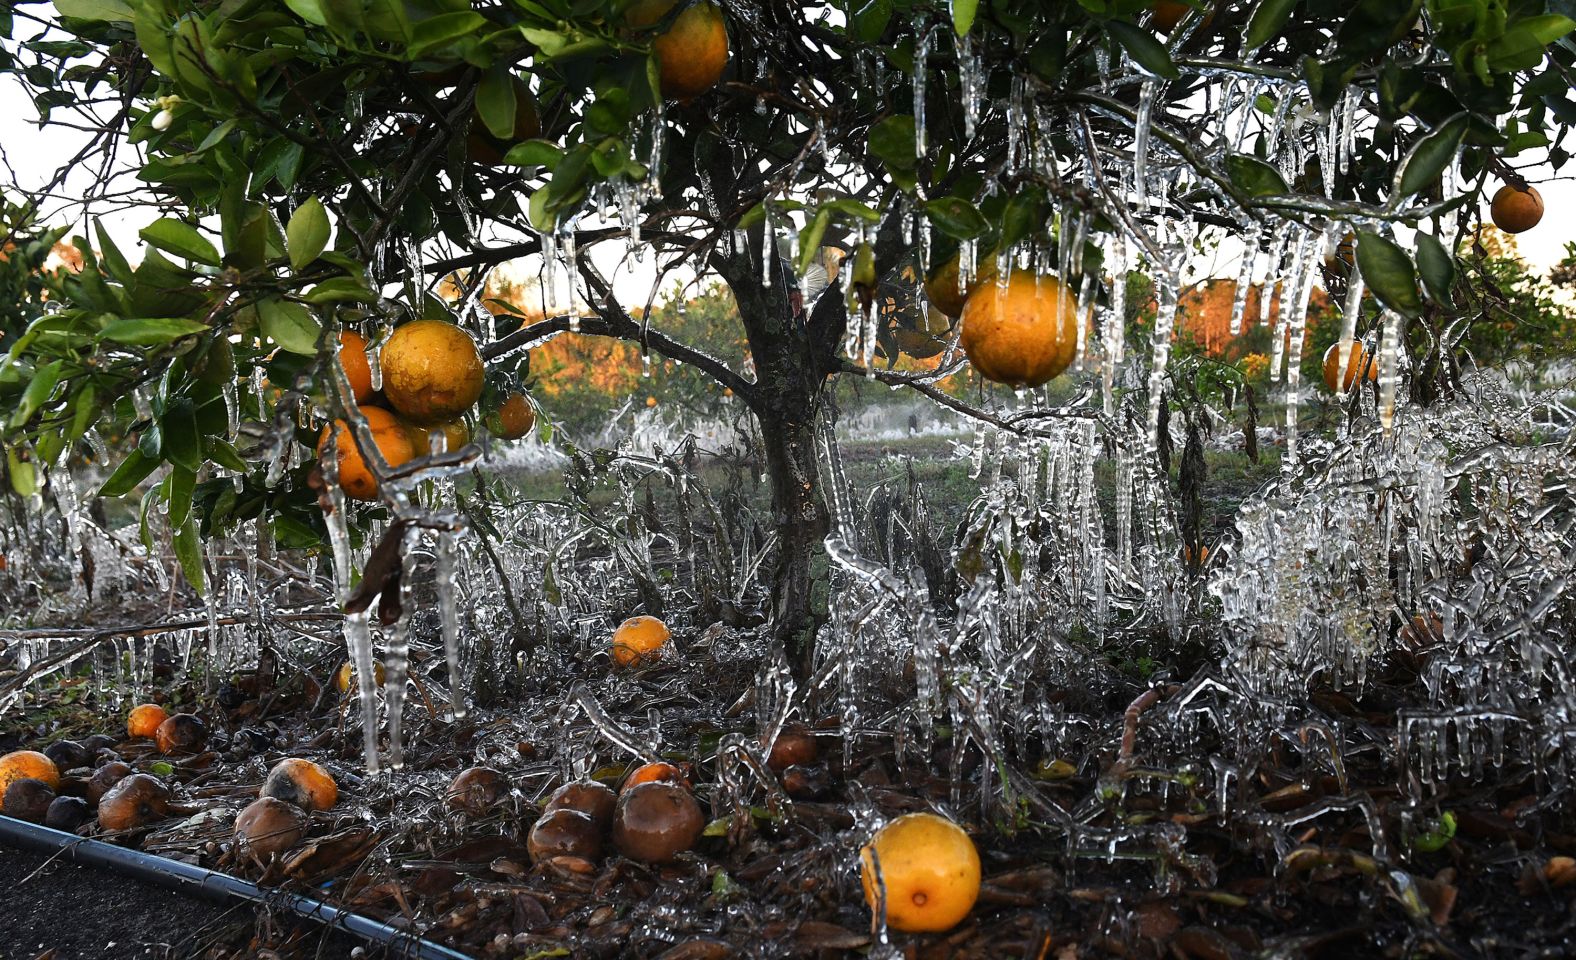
[(1205, 312)]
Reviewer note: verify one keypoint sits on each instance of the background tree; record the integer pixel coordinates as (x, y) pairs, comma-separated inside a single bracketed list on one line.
[(323, 163)]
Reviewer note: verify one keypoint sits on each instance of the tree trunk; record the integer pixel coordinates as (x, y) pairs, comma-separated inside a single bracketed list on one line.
[(792, 364), (800, 516)]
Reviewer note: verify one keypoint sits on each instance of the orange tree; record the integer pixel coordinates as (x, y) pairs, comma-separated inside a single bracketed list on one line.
[(318, 164)]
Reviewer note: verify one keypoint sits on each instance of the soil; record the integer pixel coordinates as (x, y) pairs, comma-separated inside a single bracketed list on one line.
[(53, 908)]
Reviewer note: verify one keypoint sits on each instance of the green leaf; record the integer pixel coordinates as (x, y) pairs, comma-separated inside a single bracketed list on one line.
[(24, 475), (1548, 27), (1521, 46), (535, 153), (288, 324), (444, 29), (188, 550), (1255, 177), (114, 261), (871, 18), (1429, 156), (963, 12), (132, 471), (956, 217), (1025, 213), (182, 441), (810, 239), (182, 483), (106, 10), (341, 290), (1149, 53), (224, 454), (1268, 19), (307, 234), (1389, 274), (495, 102), (847, 207), (892, 142), (45, 380), (181, 239), (151, 331), (309, 10), (1436, 267)]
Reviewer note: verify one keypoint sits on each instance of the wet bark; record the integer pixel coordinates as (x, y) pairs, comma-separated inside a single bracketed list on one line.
[(792, 364)]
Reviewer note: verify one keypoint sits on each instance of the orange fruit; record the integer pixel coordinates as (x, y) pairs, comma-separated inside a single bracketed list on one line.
[(343, 675), (929, 868), (1168, 14), (1359, 362), (513, 419), (27, 765), (482, 147), (1022, 335), (1516, 210), (942, 287), (355, 477), (455, 435), (638, 639), (1195, 554), (144, 721), (301, 782), (432, 371), (651, 401), (692, 52), (658, 771), (353, 360)]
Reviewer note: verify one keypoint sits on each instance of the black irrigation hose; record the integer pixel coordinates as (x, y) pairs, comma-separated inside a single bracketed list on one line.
[(195, 881)]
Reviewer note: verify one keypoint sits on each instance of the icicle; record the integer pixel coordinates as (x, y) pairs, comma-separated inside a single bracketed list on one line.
[(232, 406), (1389, 369), (1167, 285), (449, 620), (1349, 317), (1085, 298), (1113, 341), (1294, 330), (1142, 126), (768, 246), (358, 632), (396, 649), (1289, 293), (1250, 256), (971, 81), (1272, 266), (921, 53)]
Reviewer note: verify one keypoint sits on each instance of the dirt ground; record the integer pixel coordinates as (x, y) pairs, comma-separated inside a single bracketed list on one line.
[(57, 910)]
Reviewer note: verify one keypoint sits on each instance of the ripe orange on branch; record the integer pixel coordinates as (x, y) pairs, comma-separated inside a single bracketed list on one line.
[(432, 371), (1359, 363), (1515, 210), (692, 52), (513, 419), (1022, 334), (455, 435), (393, 441), (353, 360), (929, 870), (942, 288)]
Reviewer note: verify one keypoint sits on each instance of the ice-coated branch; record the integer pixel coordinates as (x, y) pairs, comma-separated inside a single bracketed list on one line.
[(613, 321)]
